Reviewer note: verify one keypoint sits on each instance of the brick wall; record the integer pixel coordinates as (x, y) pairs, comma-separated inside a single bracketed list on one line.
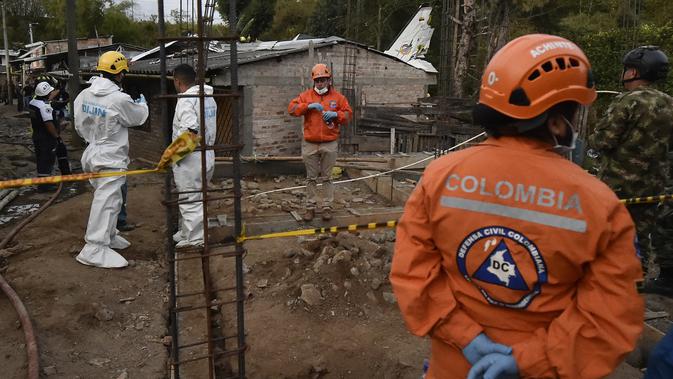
[(273, 83), (274, 131), (269, 85), (147, 142)]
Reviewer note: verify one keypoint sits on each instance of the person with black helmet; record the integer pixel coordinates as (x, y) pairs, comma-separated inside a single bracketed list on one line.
[(631, 144)]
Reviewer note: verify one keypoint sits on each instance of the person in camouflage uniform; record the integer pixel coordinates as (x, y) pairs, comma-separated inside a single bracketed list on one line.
[(631, 143)]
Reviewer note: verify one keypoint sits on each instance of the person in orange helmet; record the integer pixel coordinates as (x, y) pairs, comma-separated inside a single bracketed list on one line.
[(510, 257), (325, 110)]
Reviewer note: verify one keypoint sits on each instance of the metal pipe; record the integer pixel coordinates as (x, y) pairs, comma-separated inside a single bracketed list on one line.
[(224, 254), (197, 38), (188, 95), (73, 65), (27, 326), (236, 137), (9, 77), (168, 244), (300, 159), (178, 202), (205, 262)]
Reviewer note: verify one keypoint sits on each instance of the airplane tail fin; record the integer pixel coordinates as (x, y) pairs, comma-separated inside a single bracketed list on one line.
[(414, 40)]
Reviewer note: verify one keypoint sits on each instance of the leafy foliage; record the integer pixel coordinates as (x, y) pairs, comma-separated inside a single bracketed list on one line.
[(605, 29)]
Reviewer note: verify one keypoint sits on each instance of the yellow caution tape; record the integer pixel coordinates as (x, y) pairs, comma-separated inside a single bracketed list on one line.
[(308, 232), (183, 145), (393, 223), (647, 199), (70, 178)]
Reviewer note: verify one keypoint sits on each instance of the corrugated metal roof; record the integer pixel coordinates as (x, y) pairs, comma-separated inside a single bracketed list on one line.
[(247, 53), (127, 48)]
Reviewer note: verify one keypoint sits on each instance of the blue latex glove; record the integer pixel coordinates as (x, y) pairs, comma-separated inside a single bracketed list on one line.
[(316, 106), (480, 346), (140, 100), (494, 366), (329, 116)]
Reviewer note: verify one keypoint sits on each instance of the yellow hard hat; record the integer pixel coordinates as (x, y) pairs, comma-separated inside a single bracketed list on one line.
[(113, 62)]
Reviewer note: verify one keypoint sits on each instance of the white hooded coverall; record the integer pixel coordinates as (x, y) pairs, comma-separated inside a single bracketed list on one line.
[(102, 115), (187, 172)]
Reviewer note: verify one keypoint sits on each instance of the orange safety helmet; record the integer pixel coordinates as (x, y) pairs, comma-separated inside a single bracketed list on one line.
[(533, 73), (320, 71)]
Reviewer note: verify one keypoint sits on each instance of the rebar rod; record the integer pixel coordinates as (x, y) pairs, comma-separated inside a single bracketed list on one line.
[(168, 244)]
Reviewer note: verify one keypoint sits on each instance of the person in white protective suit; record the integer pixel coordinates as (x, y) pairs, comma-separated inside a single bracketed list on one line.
[(187, 172), (103, 114)]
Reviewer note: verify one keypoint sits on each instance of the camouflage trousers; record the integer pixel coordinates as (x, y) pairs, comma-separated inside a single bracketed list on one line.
[(654, 227)]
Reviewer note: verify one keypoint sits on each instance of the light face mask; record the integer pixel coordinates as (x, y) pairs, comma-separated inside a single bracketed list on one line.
[(565, 149), (320, 91)]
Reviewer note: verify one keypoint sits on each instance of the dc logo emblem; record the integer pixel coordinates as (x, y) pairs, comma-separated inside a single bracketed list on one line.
[(504, 265), (492, 78)]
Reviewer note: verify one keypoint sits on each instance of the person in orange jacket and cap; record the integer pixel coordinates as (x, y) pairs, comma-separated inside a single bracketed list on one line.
[(510, 257), (325, 110)]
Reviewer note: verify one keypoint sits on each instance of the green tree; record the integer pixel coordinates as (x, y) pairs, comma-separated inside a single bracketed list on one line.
[(258, 17), (291, 17), (328, 19), (89, 17)]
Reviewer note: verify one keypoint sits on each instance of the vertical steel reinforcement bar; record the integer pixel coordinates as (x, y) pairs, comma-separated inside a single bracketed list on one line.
[(210, 301)]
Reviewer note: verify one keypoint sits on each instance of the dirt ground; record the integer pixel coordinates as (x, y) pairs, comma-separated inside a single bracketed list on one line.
[(89, 322), (316, 307), (110, 323)]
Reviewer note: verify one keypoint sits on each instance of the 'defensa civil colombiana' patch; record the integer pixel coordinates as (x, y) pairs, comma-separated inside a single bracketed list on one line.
[(505, 266)]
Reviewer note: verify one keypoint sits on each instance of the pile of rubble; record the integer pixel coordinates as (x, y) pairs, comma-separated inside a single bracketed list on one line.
[(343, 275)]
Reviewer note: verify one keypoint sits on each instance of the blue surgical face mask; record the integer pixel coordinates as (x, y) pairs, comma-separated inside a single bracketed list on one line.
[(565, 149), (320, 91)]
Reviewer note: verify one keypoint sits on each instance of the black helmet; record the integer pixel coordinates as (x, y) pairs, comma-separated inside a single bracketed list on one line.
[(47, 78), (651, 63)]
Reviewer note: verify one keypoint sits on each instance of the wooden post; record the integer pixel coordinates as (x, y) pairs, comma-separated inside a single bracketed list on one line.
[(392, 141), (73, 65), (4, 35)]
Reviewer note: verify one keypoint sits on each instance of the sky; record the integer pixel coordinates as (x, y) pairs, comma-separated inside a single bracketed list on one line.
[(143, 9)]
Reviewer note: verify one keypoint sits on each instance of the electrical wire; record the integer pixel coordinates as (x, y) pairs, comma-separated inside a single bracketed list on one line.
[(378, 174)]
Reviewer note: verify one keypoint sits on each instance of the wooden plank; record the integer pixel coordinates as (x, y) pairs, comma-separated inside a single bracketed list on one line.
[(296, 216), (372, 143), (651, 315)]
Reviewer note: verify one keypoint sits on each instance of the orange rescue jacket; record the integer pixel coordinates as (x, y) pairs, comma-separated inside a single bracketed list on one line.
[(315, 129), (510, 239)]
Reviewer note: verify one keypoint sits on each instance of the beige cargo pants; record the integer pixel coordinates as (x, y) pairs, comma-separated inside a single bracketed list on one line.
[(319, 159)]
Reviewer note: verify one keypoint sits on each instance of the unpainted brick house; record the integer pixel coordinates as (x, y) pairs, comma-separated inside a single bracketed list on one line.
[(269, 76)]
